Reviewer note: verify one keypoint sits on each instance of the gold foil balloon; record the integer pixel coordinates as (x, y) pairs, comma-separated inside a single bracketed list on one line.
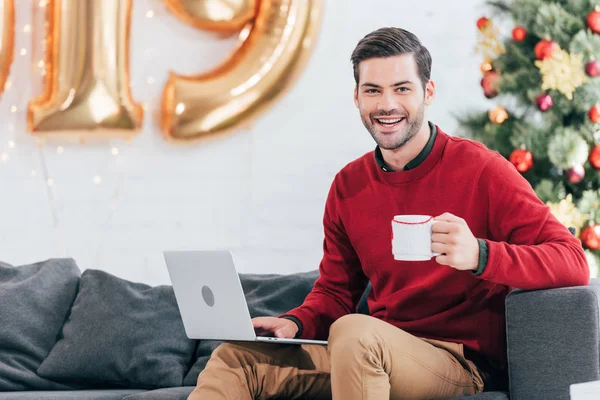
[(275, 47), (86, 89), (7, 40), (214, 15)]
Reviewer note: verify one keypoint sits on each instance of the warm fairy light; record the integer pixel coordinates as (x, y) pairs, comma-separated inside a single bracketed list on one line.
[(114, 151)]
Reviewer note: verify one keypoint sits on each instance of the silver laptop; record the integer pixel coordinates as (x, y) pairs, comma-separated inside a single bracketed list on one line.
[(210, 297)]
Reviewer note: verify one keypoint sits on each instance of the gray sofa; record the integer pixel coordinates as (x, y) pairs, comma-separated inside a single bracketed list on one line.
[(71, 335)]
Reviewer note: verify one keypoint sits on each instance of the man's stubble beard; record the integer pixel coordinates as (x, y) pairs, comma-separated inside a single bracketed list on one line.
[(413, 126)]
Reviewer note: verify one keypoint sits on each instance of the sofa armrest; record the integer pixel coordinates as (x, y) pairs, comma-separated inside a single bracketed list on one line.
[(552, 340)]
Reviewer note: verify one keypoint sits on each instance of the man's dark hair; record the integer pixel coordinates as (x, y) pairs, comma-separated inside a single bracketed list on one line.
[(389, 42)]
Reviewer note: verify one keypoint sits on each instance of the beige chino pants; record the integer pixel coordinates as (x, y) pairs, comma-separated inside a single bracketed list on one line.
[(366, 358)]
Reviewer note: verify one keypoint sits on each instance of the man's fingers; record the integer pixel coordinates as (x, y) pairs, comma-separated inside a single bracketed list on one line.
[(443, 260), (283, 333), (441, 238), (443, 227), (263, 323), (439, 247), (448, 217)]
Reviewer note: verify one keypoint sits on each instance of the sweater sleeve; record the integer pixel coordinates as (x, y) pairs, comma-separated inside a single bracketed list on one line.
[(528, 248), (341, 282)]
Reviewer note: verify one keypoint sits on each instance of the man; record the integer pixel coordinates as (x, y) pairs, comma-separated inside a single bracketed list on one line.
[(436, 328)]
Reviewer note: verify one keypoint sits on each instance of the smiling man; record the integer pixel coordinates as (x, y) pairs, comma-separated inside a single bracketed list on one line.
[(436, 327)]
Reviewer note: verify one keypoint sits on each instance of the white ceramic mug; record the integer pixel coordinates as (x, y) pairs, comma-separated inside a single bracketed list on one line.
[(411, 237)]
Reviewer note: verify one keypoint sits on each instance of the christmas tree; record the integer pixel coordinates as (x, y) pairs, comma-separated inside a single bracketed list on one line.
[(544, 79)]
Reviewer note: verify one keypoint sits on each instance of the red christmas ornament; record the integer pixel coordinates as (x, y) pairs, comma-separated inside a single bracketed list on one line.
[(489, 83), (519, 34), (545, 48), (594, 114), (482, 23), (544, 102), (594, 157), (576, 173), (593, 20), (522, 159), (592, 68), (590, 236)]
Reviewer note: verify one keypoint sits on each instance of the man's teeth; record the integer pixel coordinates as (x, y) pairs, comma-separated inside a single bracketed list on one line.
[(389, 121)]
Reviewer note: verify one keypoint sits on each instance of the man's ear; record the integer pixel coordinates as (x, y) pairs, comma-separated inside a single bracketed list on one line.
[(429, 92), (356, 96)]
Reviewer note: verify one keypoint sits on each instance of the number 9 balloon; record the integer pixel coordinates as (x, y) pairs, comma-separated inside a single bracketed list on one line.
[(275, 45)]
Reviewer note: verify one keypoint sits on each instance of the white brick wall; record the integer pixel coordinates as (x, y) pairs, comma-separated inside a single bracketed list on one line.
[(259, 191)]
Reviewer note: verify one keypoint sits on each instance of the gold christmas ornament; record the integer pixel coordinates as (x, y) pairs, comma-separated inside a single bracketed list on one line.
[(489, 43), (498, 115), (563, 72), (485, 67), (567, 213)]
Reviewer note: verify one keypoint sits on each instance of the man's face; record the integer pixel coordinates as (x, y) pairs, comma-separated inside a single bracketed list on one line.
[(391, 99)]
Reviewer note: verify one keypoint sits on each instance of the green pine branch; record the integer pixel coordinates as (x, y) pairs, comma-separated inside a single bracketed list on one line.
[(552, 21)]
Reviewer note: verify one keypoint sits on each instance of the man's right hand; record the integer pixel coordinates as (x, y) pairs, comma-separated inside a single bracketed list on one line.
[(273, 326)]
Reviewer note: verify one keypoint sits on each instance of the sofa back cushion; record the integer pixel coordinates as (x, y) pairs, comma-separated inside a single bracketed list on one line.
[(34, 303), (121, 334)]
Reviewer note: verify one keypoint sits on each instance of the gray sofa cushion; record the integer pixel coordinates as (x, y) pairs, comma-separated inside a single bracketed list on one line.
[(69, 395), (553, 339), (485, 396), (180, 393), (121, 334), (34, 303), (267, 295)]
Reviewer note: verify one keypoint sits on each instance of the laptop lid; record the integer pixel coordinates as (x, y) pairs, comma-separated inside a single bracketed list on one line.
[(209, 295)]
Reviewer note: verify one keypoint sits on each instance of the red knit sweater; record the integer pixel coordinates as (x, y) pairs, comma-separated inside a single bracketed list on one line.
[(528, 248)]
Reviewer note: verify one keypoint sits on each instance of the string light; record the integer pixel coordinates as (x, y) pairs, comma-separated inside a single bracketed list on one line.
[(50, 181), (13, 109), (33, 172), (41, 64), (4, 157), (97, 179), (149, 14), (7, 84), (60, 150), (180, 108), (11, 144), (23, 51), (150, 80), (43, 3), (27, 28), (114, 151)]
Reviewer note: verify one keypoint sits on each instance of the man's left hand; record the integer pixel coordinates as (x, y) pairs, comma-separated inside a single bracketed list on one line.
[(452, 237)]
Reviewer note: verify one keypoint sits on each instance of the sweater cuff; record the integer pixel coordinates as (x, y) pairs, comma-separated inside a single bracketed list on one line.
[(483, 257), (297, 322)]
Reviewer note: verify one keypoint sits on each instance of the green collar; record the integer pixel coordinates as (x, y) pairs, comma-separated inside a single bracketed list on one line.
[(414, 163)]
